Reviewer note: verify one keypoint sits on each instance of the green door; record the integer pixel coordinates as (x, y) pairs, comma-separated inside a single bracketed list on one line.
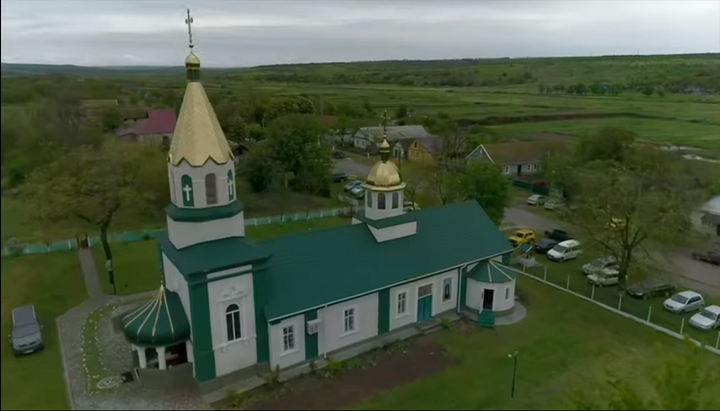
[(424, 310)]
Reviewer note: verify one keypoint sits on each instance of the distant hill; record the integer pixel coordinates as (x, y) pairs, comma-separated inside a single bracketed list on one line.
[(14, 70)]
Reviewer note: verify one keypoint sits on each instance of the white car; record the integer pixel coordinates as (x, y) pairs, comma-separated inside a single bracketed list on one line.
[(567, 250), (536, 199), (602, 279), (684, 302), (554, 203), (707, 319)]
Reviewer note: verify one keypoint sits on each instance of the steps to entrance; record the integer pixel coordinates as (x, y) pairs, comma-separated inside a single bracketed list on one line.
[(486, 319)]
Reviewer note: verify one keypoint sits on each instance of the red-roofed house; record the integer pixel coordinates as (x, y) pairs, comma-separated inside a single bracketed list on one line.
[(157, 128)]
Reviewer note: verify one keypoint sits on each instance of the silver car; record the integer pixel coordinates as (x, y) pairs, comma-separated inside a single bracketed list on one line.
[(26, 336)]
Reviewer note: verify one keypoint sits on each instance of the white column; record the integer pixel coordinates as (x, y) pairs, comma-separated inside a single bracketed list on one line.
[(141, 357), (161, 358)]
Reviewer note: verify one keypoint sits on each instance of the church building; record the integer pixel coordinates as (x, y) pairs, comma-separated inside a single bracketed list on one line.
[(227, 303)]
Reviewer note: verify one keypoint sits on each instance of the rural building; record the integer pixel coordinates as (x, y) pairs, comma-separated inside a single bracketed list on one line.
[(707, 217), (157, 128), (520, 158), (368, 138), (400, 149), (229, 305), (425, 150), (241, 150)]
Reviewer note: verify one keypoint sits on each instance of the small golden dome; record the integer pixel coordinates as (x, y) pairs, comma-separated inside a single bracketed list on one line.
[(192, 60), (384, 175), (385, 146)]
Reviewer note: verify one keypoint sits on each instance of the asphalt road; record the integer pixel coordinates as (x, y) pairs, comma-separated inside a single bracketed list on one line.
[(696, 275)]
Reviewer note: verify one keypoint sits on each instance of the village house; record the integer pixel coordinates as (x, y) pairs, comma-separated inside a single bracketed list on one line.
[(156, 128), (518, 159), (707, 217), (425, 150), (368, 138)]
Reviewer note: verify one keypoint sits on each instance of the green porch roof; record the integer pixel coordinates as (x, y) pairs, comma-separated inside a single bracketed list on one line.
[(312, 269), (160, 322), (212, 256), (492, 273)]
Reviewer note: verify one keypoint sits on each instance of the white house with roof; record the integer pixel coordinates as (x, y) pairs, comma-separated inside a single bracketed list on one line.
[(369, 138), (707, 217), (228, 304)]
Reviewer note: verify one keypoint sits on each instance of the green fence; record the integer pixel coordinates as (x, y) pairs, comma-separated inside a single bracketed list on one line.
[(72, 244), (528, 185)]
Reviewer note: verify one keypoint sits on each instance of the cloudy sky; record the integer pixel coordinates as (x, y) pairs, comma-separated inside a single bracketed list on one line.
[(233, 33)]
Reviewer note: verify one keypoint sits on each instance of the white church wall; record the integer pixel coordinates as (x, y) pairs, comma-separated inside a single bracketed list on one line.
[(232, 354), (174, 281), (503, 295), (398, 320), (394, 232), (332, 335), (278, 356), (371, 209), (184, 234), (198, 177)]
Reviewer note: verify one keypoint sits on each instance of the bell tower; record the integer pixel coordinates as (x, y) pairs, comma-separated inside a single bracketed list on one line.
[(201, 169)]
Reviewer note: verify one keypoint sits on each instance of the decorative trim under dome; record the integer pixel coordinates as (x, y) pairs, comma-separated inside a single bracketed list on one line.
[(199, 215), (160, 322), (492, 273)]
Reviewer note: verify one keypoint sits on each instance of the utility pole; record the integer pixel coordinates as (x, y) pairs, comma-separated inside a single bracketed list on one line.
[(514, 356)]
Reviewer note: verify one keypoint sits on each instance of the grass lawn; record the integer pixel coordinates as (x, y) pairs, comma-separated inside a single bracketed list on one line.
[(564, 344), (54, 284), (137, 265)]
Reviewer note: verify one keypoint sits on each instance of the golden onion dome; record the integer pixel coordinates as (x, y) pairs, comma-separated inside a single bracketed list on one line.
[(192, 61), (384, 175)]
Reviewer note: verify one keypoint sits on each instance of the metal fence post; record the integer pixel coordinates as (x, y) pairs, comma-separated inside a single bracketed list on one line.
[(545, 274), (568, 282), (592, 295), (682, 326), (524, 270), (620, 303), (649, 313), (717, 343)]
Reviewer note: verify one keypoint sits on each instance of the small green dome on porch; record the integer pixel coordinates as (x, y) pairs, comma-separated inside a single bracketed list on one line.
[(492, 273), (160, 322)]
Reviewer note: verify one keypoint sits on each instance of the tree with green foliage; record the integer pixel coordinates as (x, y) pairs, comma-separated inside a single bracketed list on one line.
[(485, 183), (261, 171), (607, 144), (625, 207), (92, 185), (685, 381), (111, 119), (256, 132), (647, 91), (8, 138), (237, 130), (285, 105), (401, 111)]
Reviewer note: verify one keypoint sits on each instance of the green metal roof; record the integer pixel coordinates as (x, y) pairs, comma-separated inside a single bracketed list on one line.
[(492, 273), (212, 256), (386, 222), (160, 322), (311, 269), (204, 214)]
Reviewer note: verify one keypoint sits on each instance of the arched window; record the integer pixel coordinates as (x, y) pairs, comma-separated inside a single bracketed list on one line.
[(368, 199), (396, 200), (381, 201), (188, 196), (231, 185), (211, 189), (232, 321)]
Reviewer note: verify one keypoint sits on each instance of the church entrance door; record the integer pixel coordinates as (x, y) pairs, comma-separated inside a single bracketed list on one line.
[(424, 310)]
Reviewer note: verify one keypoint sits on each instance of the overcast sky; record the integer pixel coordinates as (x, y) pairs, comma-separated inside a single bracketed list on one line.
[(246, 33)]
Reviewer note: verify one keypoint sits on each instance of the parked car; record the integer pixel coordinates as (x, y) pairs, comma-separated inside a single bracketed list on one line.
[(351, 185), (339, 177), (410, 206), (707, 319), (712, 257), (566, 250), (357, 191), (338, 154), (522, 236), (684, 302), (605, 265), (554, 203), (650, 288), (26, 336), (602, 279), (536, 200), (545, 245), (558, 235)]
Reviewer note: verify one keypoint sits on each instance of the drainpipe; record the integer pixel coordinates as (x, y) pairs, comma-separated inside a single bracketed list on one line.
[(324, 354), (459, 289)]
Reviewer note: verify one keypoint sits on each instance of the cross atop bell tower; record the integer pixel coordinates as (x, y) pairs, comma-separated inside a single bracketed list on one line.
[(189, 22)]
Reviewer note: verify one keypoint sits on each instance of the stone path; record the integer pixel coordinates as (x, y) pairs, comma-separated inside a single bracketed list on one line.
[(92, 281)]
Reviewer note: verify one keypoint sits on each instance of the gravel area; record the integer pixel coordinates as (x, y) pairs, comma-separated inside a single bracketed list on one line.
[(117, 359)]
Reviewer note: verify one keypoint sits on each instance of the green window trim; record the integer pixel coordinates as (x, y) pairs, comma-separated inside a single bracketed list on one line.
[(187, 190), (199, 215)]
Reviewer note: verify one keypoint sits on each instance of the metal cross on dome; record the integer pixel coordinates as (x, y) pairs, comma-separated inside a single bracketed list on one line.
[(189, 21), (384, 121)]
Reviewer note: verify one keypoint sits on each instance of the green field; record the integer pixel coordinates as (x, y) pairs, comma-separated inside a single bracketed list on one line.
[(564, 344), (54, 284)]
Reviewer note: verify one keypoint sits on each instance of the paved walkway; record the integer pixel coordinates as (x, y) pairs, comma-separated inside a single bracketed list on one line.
[(92, 281)]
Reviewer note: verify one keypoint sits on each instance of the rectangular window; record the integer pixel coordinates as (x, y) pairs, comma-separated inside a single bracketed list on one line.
[(535, 167), (507, 169), (447, 289), (528, 167), (288, 338), (349, 320), (402, 303), (425, 291), (507, 293)]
